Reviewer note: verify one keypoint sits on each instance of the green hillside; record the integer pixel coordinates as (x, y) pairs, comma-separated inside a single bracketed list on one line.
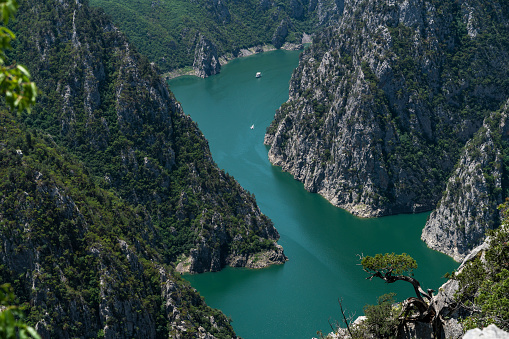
[(167, 31), (106, 185), (72, 251)]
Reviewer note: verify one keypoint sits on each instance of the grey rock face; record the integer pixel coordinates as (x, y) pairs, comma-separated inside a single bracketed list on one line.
[(374, 123), (280, 34), (446, 306), (109, 90), (474, 190), (206, 60), (490, 332)]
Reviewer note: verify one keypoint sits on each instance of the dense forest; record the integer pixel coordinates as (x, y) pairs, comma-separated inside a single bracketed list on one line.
[(167, 32), (106, 186)]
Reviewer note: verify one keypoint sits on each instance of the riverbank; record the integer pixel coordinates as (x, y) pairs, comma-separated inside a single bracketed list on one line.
[(244, 52)]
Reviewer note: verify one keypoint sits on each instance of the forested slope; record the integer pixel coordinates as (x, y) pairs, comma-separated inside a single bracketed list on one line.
[(383, 103), (79, 257), (169, 32), (107, 186)]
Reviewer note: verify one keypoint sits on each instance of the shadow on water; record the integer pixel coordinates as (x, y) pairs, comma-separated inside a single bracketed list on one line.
[(323, 242)]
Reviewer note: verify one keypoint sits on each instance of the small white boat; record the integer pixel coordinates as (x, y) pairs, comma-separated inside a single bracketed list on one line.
[(252, 126), (258, 74)]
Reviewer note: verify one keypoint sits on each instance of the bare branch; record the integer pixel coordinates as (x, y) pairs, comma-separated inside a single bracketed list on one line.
[(340, 301)]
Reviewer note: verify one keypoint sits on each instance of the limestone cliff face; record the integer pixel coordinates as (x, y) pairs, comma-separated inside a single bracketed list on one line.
[(206, 60), (382, 103), (280, 34), (113, 110), (469, 205)]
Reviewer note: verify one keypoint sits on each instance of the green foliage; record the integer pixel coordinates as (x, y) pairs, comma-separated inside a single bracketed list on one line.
[(15, 85), (12, 324), (167, 31), (389, 263), (381, 319), (77, 230), (484, 284), (152, 158), (96, 190)]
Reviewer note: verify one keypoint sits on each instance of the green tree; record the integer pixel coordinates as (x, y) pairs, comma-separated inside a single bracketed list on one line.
[(391, 268), (11, 317), (15, 85), (381, 319)]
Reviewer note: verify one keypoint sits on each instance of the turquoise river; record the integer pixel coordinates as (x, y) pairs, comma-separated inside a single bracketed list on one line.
[(322, 242)]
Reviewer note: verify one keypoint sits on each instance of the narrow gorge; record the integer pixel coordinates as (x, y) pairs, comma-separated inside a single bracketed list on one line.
[(385, 106)]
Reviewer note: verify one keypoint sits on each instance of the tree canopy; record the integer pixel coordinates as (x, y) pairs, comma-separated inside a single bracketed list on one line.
[(391, 267), (15, 85), (389, 264)]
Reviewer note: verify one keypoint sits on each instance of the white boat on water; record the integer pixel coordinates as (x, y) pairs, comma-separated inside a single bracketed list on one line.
[(258, 74), (252, 126)]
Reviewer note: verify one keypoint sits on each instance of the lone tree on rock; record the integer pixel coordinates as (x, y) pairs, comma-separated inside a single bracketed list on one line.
[(391, 268), (395, 267)]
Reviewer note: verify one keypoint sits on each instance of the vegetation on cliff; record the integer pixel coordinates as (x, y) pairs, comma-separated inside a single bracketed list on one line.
[(106, 183), (106, 104), (383, 110), (383, 103), (167, 32), (78, 256), (484, 281)]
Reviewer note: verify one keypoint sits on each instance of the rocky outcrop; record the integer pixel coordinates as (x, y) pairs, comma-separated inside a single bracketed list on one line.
[(280, 34), (206, 61), (468, 207), (445, 301), (378, 113), (202, 260), (490, 332), (87, 271)]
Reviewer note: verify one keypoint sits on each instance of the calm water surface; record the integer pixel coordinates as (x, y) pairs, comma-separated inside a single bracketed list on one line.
[(296, 299)]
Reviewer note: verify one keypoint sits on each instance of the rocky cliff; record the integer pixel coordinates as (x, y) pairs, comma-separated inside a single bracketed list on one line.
[(107, 185), (468, 207), (78, 256), (108, 105), (381, 104), (206, 60)]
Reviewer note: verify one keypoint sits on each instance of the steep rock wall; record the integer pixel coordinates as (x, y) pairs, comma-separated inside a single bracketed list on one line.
[(108, 105), (468, 207), (77, 255), (206, 61), (382, 103)]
